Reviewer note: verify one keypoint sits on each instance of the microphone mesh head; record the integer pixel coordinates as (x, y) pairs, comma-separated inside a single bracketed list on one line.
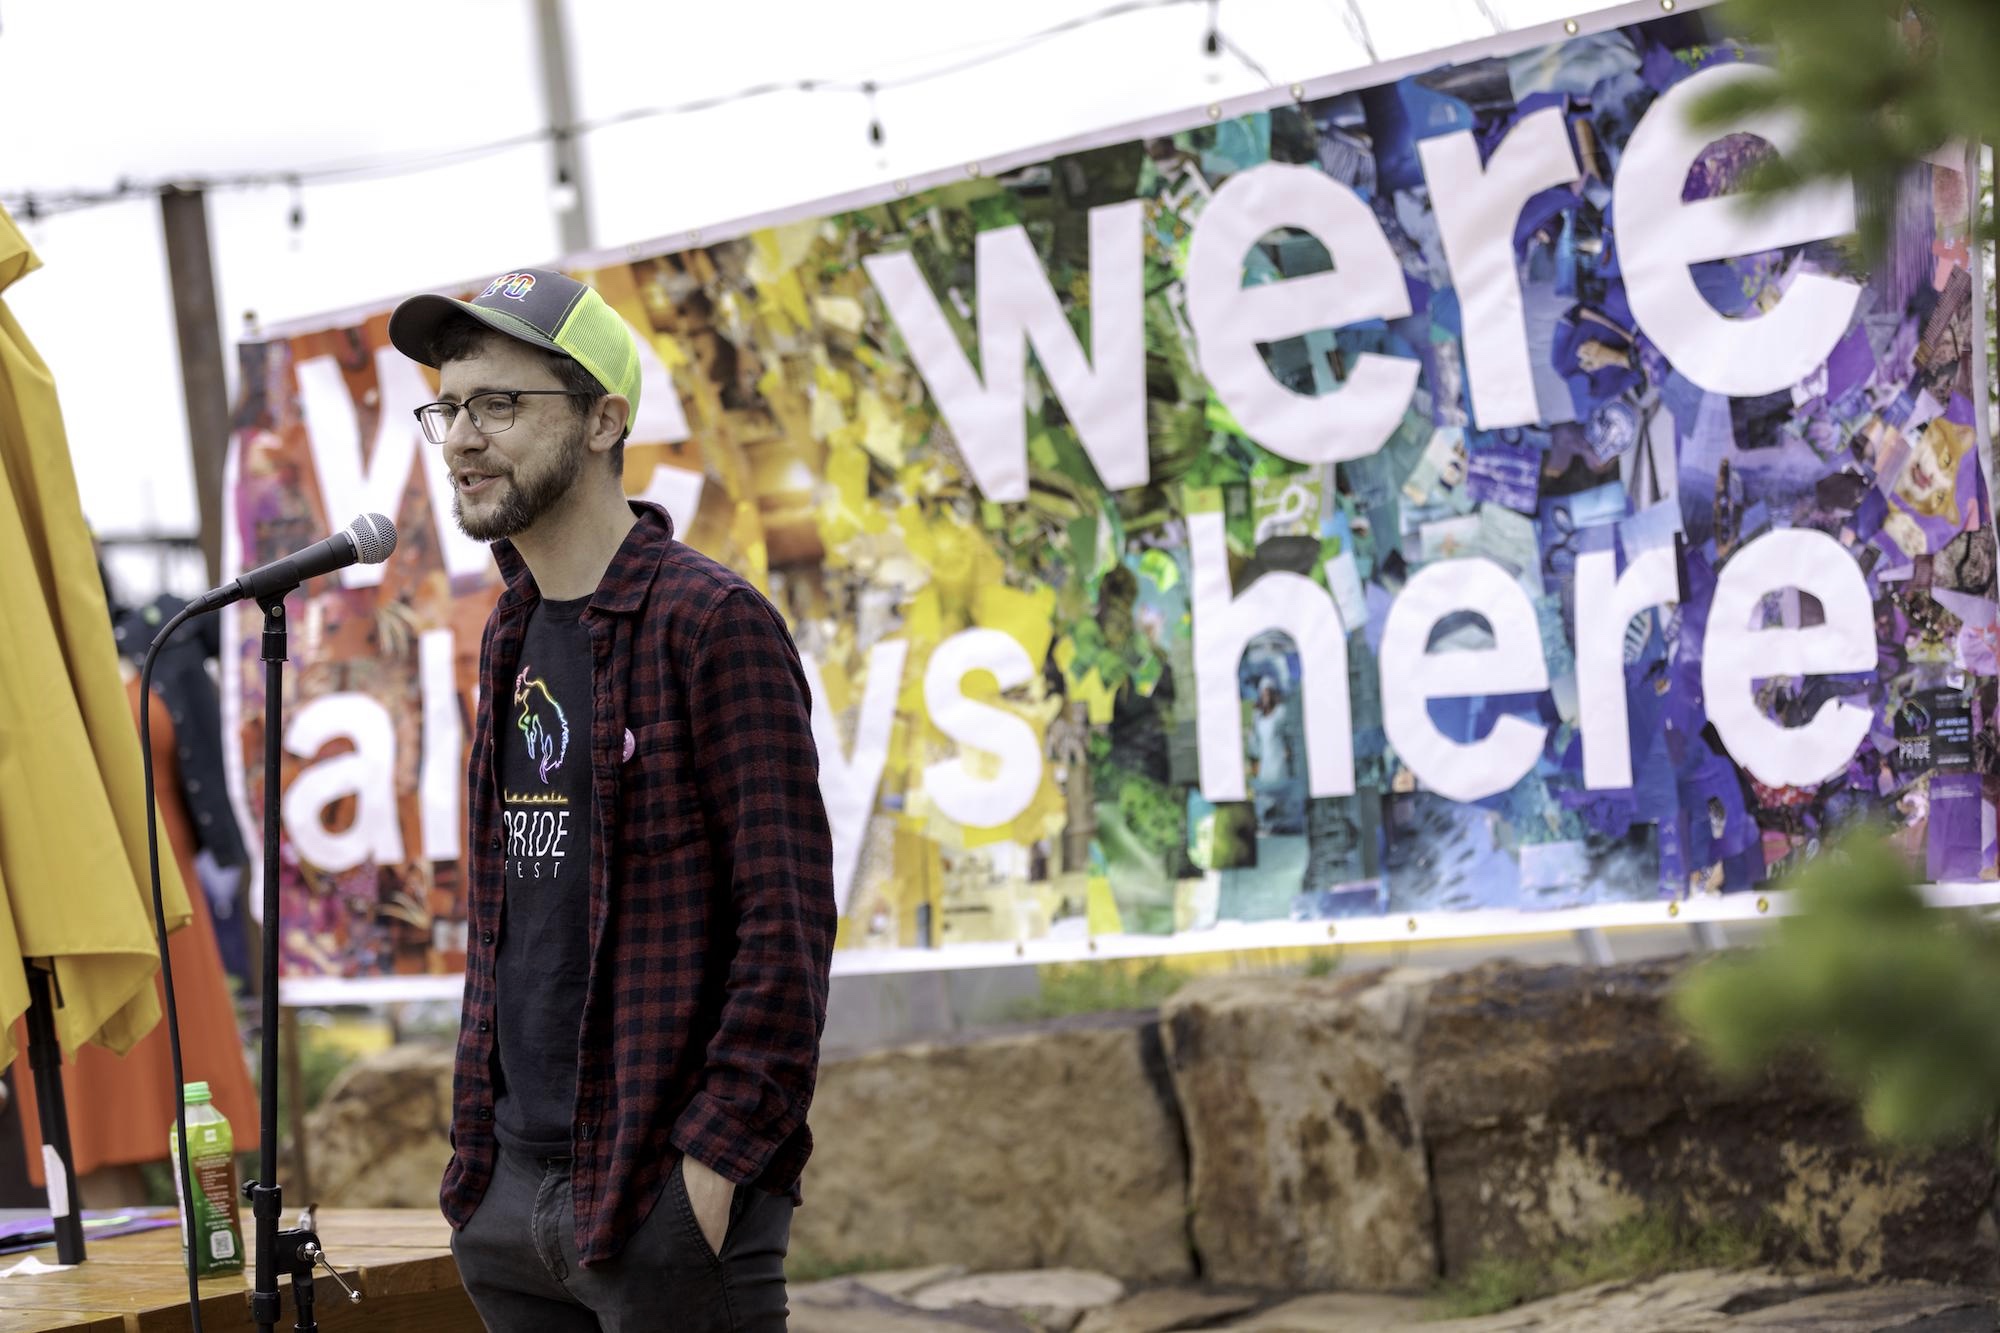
[(374, 538)]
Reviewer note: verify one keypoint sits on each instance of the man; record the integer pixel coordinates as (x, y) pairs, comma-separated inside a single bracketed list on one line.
[(651, 891)]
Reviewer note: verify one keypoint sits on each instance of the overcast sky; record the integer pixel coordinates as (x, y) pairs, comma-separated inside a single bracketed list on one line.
[(90, 93)]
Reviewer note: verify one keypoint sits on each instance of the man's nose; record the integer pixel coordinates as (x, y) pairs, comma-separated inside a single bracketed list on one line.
[(462, 428)]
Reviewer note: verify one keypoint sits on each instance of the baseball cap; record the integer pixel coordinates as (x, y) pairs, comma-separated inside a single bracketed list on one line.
[(540, 306)]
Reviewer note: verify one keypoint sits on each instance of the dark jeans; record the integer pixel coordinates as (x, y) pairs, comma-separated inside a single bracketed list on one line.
[(517, 1258)]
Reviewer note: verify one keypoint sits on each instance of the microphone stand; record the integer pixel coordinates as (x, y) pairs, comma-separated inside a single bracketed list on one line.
[(297, 1250), (294, 1251)]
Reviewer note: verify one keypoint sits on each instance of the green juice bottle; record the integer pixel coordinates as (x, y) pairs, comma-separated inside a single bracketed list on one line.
[(218, 1235)]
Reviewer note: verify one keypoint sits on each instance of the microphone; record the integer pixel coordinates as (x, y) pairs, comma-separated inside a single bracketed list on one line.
[(368, 540)]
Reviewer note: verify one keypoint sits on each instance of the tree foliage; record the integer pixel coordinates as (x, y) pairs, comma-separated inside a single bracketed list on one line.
[(1899, 1001), (1875, 84)]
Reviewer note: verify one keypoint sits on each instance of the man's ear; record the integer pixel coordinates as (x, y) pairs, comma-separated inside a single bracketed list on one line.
[(607, 422)]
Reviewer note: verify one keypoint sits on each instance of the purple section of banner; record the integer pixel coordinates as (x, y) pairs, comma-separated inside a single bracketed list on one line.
[(1954, 827)]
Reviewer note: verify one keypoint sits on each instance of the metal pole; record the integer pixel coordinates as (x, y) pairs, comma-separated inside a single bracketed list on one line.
[(1709, 936), (568, 195), (45, 1057), (1595, 946), (288, 1045), (266, 1198), (191, 274)]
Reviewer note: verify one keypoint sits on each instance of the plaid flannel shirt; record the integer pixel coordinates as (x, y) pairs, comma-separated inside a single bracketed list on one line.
[(711, 891)]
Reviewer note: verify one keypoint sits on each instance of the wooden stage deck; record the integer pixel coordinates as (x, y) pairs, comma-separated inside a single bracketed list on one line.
[(399, 1260)]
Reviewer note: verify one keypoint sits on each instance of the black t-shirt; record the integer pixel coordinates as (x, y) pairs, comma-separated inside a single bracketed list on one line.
[(543, 964)]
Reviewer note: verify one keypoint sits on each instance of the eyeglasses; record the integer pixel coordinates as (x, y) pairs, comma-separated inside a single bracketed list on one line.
[(491, 412)]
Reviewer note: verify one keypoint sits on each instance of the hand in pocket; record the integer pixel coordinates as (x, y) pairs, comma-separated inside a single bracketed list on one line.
[(710, 1196)]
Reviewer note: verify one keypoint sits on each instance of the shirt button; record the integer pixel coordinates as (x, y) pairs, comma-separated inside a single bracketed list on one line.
[(496, 842), (583, 1130), (485, 1113), (485, 1026), (486, 937)]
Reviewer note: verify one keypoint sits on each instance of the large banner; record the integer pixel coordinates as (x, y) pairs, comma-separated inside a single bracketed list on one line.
[(1435, 507)]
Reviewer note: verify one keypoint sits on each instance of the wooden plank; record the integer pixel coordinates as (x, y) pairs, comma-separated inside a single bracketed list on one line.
[(423, 1312), (385, 1226), (127, 1290), (407, 1278), (400, 1260), (60, 1321)]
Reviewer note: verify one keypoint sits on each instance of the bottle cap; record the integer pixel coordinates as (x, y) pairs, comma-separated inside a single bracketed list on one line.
[(195, 1092)]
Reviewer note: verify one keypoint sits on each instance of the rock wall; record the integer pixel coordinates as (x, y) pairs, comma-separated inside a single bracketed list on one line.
[(1558, 1100), (381, 1139), (1054, 1147), (1306, 1165), (1366, 1131)]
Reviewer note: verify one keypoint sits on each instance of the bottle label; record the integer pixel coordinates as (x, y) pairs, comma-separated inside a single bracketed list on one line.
[(218, 1240)]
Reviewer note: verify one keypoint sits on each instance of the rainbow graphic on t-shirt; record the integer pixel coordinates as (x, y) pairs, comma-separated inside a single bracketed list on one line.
[(542, 723)]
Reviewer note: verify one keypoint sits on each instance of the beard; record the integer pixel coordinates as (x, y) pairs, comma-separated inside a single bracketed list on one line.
[(529, 493)]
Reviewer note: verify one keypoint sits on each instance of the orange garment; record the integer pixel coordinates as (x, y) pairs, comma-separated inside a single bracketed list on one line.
[(121, 1108)]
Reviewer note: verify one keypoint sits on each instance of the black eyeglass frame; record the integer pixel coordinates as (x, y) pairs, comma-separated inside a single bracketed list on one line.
[(513, 397)]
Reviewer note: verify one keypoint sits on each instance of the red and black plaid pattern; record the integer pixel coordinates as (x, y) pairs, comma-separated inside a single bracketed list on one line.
[(711, 884)]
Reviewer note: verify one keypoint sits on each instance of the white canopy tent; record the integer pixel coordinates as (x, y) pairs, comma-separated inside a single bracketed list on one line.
[(202, 90)]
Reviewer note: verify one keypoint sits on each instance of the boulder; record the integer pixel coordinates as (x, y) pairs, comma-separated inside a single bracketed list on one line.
[(381, 1138), (1048, 1298), (1305, 1151), (844, 1305), (903, 1283), (1750, 1300), (1558, 1100), (1166, 1309), (1056, 1146)]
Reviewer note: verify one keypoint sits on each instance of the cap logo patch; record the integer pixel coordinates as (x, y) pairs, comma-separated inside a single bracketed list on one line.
[(514, 286)]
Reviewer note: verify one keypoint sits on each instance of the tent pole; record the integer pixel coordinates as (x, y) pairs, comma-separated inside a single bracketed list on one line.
[(191, 276), (58, 1162)]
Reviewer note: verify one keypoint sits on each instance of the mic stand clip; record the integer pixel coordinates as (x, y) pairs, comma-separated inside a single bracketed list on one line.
[(295, 1252)]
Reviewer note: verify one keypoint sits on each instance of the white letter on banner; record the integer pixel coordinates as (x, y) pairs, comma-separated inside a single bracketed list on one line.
[(1659, 236), (1412, 676), (1229, 319), (1734, 656), (1477, 208), (661, 421), (347, 488), (441, 775), (1104, 396), (981, 802), (367, 773), (1223, 625), (849, 781), (678, 491), (1606, 601)]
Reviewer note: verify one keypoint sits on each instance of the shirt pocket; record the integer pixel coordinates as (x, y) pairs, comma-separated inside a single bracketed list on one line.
[(661, 803)]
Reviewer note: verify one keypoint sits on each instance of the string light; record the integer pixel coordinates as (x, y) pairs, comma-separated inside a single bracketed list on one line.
[(50, 203)]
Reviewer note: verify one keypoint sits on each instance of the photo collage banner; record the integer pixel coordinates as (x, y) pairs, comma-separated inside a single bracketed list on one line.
[(1430, 501)]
